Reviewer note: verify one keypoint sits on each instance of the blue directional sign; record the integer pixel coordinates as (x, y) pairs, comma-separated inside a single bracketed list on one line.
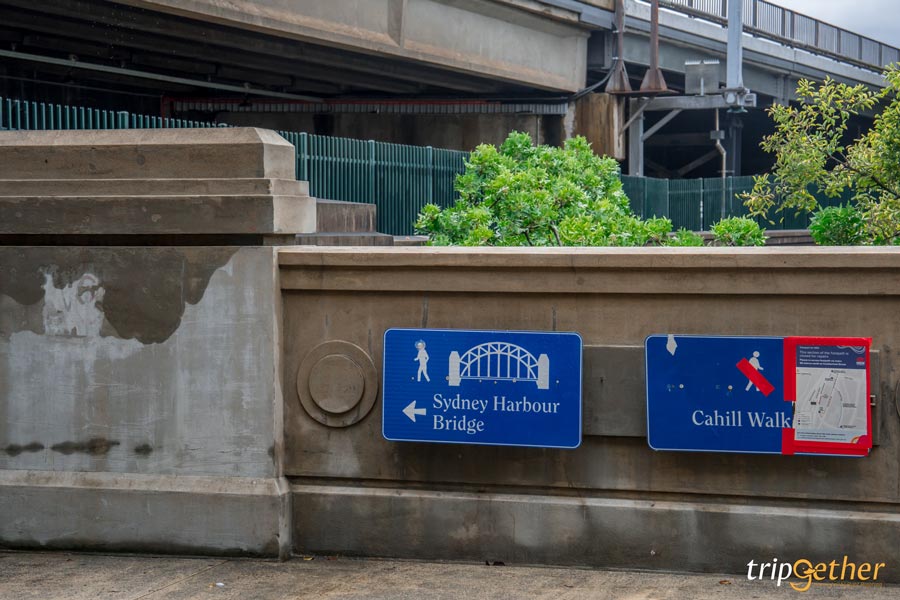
[(723, 394), (506, 388)]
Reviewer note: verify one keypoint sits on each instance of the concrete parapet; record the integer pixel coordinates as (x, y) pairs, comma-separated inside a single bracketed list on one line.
[(224, 181), (613, 501), (217, 153)]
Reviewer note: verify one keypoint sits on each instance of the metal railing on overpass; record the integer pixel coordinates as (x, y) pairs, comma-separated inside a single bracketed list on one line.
[(400, 179), (791, 28)]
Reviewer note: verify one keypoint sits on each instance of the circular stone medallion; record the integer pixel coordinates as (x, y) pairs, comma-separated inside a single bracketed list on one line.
[(337, 383)]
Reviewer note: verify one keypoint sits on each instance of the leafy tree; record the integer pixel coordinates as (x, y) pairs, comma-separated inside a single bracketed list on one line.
[(738, 231), (812, 154), (525, 195)]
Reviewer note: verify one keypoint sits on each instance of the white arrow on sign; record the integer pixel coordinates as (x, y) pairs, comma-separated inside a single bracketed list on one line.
[(411, 411)]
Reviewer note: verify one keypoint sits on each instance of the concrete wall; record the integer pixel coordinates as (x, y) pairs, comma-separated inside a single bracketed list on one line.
[(457, 132), (613, 501), (140, 381), (137, 360)]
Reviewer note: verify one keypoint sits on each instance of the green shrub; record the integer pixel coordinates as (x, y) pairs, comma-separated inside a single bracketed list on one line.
[(838, 226), (738, 231), (525, 195), (684, 237)]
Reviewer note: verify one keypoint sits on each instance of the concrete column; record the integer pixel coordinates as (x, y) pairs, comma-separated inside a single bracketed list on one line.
[(734, 141), (635, 142)]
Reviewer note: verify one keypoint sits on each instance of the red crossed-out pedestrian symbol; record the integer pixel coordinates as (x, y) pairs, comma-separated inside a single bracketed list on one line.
[(752, 372)]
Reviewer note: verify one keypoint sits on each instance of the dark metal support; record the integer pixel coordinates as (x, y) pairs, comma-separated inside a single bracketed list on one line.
[(654, 82), (618, 81)]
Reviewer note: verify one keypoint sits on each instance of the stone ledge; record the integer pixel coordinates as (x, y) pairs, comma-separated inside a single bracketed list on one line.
[(657, 271), (702, 535), (823, 257), (146, 153), (145, 513), (157, 214), (152, 187)]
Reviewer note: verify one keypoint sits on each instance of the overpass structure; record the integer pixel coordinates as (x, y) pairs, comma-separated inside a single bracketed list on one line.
[(450, 73)]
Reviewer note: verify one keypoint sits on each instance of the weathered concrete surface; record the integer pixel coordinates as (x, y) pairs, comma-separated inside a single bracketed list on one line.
[(125, 182), (140, 400), (144, 513), (345, 239), (27, 576), (496, 38), (344, 217), (154, 360), (243, 152), (158, 215), (155, 187), (604, 503), (652, 532)]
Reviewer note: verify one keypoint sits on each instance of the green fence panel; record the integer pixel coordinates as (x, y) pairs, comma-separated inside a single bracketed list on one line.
[(686, 203), (404, 184), (636, 190), (656, 198), (446, 165), (721, 198), (341, 169)]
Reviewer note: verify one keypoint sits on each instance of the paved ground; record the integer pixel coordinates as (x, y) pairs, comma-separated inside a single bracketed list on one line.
[(48, 576)]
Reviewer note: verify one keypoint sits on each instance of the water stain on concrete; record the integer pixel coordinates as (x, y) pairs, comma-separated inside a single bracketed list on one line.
[(16, 449), (143, 450), (93, 447), (145, 293)]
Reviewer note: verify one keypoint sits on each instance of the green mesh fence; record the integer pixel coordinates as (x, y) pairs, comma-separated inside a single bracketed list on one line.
[(696, 204)]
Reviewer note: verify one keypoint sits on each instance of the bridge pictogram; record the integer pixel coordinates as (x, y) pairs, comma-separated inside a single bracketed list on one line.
[(499, 361)]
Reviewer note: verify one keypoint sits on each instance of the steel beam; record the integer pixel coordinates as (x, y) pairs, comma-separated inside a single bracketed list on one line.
[(660, 124), (75, 64), (686, 103)]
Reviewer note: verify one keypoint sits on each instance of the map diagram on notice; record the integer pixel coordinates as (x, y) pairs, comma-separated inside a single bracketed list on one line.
[(831, 403)]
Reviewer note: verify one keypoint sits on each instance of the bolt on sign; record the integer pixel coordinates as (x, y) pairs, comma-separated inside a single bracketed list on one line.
[(769, 395), (506, 388)]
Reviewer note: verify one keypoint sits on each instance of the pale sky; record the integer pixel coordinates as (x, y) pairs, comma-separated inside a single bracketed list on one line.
[(878, 19)]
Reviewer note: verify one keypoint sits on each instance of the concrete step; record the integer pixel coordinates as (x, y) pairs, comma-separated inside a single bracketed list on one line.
[(350, 217), (345, 239), (242, 152), (156, 215), (410, 240), (152, 187)]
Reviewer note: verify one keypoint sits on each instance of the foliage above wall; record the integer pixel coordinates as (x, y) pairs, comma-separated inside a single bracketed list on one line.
[(812, 154), (525, 195)]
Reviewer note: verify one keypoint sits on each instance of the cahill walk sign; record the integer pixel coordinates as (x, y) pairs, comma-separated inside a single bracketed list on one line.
[(505, 388), (772, 395)]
